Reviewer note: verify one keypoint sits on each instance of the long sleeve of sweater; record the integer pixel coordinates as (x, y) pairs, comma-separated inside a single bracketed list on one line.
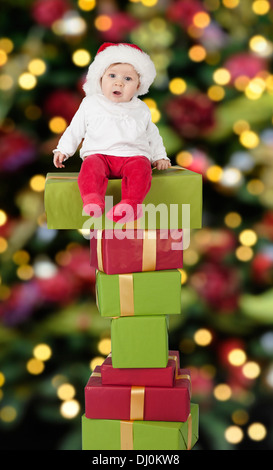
[(74, 133)]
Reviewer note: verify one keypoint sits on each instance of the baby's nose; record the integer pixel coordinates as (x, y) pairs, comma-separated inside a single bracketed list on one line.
[(119, 81)]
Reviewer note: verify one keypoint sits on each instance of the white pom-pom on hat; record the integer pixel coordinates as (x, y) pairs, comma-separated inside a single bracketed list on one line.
[(112, 53)]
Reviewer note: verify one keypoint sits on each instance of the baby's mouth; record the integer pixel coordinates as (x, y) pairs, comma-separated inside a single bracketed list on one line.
[(117, 93)]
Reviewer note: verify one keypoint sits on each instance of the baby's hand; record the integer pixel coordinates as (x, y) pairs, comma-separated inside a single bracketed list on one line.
[(58, 159), (162, 164)]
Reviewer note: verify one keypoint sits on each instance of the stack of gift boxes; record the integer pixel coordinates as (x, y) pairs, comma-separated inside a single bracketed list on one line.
[(140, 397)]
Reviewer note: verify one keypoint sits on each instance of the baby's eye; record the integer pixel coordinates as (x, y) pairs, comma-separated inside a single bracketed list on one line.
[(128, 79), (112, 75)]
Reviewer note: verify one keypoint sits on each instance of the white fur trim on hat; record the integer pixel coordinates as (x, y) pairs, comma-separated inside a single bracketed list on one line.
[(110, 53)]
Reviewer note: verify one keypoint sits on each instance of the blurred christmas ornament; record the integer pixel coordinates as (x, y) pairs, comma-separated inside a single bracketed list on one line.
[(192, 114), (62, 103), (183, 11), (244, 64), (122, 23), (218, 286), (17, 150), (45, 12)]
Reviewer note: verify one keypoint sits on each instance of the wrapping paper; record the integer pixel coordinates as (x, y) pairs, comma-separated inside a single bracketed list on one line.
[(170, 188), (160, 377), (107, 434), (137, 402), (149, 250), (139, 294), (140, 342)]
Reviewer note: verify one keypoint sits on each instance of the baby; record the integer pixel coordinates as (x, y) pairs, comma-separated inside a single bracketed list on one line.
[(119, 139)]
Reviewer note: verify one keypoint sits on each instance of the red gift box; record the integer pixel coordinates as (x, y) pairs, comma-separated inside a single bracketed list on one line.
[(136, 251), (137, 403), (152, 377)]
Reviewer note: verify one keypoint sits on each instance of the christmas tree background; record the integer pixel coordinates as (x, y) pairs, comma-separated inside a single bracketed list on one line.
[(212, 101)]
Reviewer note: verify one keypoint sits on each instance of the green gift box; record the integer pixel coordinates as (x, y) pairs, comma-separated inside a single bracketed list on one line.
[(139, 341), (173, 202), (106, 434), (143, 293)]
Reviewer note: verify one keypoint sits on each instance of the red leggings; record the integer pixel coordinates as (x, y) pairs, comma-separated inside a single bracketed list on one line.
[(135, 172)]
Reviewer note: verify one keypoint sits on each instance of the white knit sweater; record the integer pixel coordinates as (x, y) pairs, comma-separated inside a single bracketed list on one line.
[(118, 129)]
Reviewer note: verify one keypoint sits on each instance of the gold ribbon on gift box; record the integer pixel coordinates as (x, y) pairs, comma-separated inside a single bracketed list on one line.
[(180, 376), (148, 250), (127, 434)]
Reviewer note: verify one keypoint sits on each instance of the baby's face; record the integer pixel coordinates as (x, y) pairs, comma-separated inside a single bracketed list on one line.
[(120, 83)]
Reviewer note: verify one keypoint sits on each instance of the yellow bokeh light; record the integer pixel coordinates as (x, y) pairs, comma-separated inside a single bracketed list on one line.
[(87, 5), (96, 361), (2, 379), (240, 417), (248, 237), (244, 253), (231, 3), (197, 53), (3, 217), (3, 244), (184, 158), (6, 82), (240, 126), (37, 67), (257, 431), (255, 187), (27, 81), (25, 272), (69, 409), (155, 115), (35, 366), (233, 219), (3, 57), (8, 414), (214, 173), (258, 44), (201, 19), (203, 337), (234, 434), (150, 103), (251, 370), (103, 22), (37, 183), (221, 76), (104, 346), (66, 391), (222, 392), (42, 352), (255, 88), (216, 93), (241, 82), (57, 124), (6, 45), (81, 57), (249, 139), (149, 3), (260, 7), (237, 357), (177, 86), (21, 257)]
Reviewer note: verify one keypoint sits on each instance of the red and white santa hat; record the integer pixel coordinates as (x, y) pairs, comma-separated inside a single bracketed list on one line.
[(110, 53)]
